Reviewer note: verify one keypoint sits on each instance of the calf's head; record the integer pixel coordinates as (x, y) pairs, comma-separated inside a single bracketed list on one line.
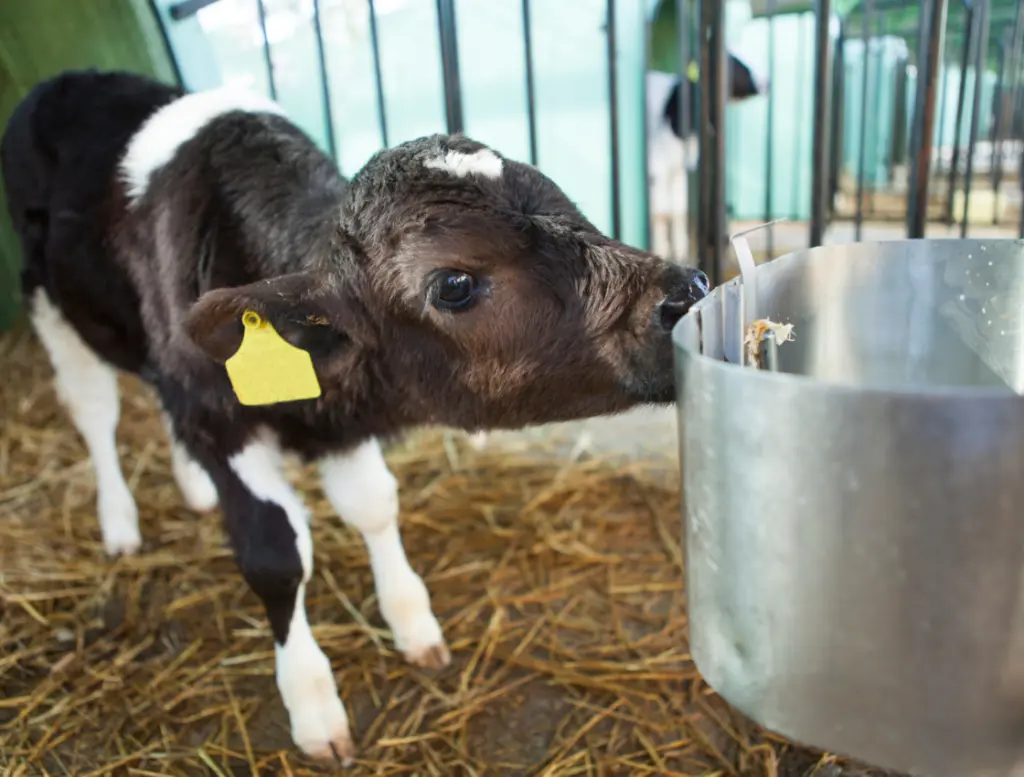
[(468, 289)]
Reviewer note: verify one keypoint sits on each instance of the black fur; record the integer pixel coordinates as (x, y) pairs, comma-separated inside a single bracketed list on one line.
[(740, 83), (61, 144)]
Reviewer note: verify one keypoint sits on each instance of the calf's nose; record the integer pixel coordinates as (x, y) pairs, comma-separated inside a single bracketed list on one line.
[(681, 298)]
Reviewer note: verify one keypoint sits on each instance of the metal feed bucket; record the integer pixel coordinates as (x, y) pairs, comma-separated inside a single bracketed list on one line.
[(855, 519)]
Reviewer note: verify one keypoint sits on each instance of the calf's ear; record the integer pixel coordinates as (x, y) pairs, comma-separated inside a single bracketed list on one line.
[(320, 315)]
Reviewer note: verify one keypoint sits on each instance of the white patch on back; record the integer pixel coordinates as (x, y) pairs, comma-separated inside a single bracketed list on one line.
[(87, 387), (163, 133), (483, 162), (260, 467)]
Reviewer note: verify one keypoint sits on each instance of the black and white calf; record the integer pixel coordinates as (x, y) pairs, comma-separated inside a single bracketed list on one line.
[(672, 149), (443, 284)]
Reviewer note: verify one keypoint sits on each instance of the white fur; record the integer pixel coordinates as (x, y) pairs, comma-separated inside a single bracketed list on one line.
[(87, 387), (163, 133), (478, 440), (304, 675), (363, 491), (260, 466), (193, 481), (668, 159), (668, 193), (310, 692), (483, 162)]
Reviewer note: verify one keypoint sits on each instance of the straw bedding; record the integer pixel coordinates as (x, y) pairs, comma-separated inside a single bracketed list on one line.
[(558, 582)]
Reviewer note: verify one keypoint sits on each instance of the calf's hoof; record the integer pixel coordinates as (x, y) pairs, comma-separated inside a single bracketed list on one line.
[(430, 657), (119, 524), (339, 751), (318, 720), (321, 731)]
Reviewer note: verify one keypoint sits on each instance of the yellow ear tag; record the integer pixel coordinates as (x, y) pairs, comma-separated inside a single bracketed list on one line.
[(266, 370), (692, 72)]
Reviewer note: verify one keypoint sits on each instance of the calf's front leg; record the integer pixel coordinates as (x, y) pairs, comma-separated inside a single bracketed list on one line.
[(269, 530), (362, 490)]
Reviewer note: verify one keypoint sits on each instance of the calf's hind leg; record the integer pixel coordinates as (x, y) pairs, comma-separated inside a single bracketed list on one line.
[(195, 485), (87, 387), (362, 490)]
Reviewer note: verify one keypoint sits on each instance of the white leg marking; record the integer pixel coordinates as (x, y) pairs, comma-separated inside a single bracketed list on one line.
[(88, 389), (478, 440), (363, 491), (310, 692), (304, 676), (194, 483)]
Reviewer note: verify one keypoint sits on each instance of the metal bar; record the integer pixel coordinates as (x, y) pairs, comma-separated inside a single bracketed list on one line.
[(613, 115), (877, 89), (1018, 133), (961, 98), (1020, 172), (865, 33), (188, 8), (943, 95), (684, 30), (644, 145), (531, 104), (1020, 177), (770, 139), (378, 78), (1013, 68), (979, 70), (267, 58), (450, 66), (683, 33), (836, 130), (933, 25), (325, 88), (166, 39), (801, 109), (711, 125), (898, 144), (819, 153), (1018, 113), (996, 131)]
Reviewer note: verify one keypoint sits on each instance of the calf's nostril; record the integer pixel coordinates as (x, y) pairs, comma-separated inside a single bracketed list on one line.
[(701, 285), (681, 299), (670, 311)]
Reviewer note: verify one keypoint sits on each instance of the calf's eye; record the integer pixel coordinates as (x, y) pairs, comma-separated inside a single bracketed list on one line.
[(453, 290)]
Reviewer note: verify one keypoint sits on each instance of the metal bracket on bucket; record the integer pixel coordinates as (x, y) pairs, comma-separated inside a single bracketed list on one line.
[(759, 345)]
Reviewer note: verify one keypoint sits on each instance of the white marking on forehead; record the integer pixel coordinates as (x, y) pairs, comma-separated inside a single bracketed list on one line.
[(163, 133), (483, 162)]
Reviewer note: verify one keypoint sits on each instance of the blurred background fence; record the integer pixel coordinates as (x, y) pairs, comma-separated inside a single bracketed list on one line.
[(877, 118)]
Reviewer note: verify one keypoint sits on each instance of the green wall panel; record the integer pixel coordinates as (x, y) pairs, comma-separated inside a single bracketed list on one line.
[(40, 38)]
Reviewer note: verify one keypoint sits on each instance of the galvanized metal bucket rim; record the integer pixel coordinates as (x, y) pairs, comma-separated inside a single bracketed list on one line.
[(935, 393)]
